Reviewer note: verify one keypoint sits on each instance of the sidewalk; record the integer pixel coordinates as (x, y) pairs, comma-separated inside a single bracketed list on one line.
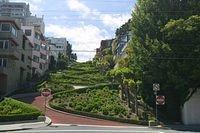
[(24, 125)]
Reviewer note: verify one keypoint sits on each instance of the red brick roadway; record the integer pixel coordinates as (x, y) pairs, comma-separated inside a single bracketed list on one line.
[(66, 118)]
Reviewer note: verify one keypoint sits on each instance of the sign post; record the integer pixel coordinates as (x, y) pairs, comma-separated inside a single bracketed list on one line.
[(156, 87), (45, 93)]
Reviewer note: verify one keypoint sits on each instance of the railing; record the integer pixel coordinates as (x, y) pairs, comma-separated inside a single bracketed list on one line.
[(10, 53)]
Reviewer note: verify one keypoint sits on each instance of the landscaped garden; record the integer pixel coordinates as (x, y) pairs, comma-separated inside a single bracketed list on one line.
[(77, 74), (99, 101), (13, 110)]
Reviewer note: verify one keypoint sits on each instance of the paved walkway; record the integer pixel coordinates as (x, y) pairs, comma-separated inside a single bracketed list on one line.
[(65, 118)]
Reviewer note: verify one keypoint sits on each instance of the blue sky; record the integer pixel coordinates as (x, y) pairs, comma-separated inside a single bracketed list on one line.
[(83, 22)]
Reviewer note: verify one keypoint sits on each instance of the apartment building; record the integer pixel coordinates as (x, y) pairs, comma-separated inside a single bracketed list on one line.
[(52, 47), (34, 21), (34, 29), (17, 10), (15, 59), (122, 42), (104, 45), (58, 45), (40, 51)]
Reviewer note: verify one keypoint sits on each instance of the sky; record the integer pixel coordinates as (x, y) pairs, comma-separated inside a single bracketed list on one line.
[(84, 23)]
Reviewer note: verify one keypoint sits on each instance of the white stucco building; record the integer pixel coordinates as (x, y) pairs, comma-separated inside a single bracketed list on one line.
[(17, 10), (191, 110), (58, 45), (40, 52)]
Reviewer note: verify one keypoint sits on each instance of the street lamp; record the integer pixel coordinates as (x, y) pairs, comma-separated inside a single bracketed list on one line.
[(156, 87)]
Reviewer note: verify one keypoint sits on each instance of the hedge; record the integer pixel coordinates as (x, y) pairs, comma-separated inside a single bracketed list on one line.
[(131, 121), (13, 110), (83, 90), (20, 117)]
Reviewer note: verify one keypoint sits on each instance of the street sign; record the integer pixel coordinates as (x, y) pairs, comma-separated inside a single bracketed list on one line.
[(160, 100), (46, 92), (156, 87)]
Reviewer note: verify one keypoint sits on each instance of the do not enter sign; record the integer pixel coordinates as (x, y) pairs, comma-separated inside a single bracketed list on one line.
[(160, 100), (46, 92)]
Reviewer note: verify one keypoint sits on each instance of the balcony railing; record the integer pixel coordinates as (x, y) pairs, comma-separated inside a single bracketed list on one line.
[(10, 53), (9, 35)]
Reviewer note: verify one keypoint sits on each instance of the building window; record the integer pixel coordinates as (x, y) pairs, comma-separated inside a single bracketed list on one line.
[(37, 36), (37, 47), (35, 58), (42, 56), (3, 62), (5, 27), (4, 44), (28, 32), (22, 58), (40, 66), (14, 31), (23, 43)]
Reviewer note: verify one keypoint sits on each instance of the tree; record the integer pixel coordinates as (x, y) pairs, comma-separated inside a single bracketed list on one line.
[(183, 37), (74, 57), (105, 61), (152, 56), (62, 61), (52, 64), (120, 76), (131, 84)]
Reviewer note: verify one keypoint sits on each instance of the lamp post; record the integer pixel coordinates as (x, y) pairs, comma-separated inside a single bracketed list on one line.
[(156, 88)]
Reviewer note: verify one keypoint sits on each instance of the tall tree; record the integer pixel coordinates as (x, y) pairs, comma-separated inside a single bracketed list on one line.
[(152, 55)]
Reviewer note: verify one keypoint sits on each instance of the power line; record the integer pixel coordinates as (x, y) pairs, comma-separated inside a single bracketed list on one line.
[(176, 58), (54, 50)]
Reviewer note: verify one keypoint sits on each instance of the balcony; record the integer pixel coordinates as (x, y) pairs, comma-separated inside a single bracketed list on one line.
[(8, 35), (35, 65), (10, 53), (3, 70)]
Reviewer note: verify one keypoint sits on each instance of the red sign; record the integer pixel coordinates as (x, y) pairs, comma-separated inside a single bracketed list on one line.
[(46, 92), (160, 100)]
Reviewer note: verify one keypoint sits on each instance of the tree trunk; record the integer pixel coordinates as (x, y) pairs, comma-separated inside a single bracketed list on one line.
[(136, 104), (128, 97)]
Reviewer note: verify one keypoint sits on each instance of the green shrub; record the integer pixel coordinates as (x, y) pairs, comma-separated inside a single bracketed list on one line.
[(96, 115), (99, 99), (12, 110)]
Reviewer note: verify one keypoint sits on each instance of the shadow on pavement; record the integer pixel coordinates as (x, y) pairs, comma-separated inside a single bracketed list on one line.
[(185, 128), (27, 98)]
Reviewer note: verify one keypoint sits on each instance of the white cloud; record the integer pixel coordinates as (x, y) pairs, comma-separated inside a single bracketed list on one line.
[(76, 5), (84, 37), (114, 20), (111, 20)]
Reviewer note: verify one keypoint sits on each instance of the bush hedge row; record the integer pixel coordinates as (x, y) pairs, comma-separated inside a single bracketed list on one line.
[(13, 110), (89, 114), (131, 121), (20, 117), (83, 90)]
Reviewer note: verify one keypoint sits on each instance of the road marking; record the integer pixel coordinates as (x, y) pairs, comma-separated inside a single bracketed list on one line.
[(139, 127), (109, 131)]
